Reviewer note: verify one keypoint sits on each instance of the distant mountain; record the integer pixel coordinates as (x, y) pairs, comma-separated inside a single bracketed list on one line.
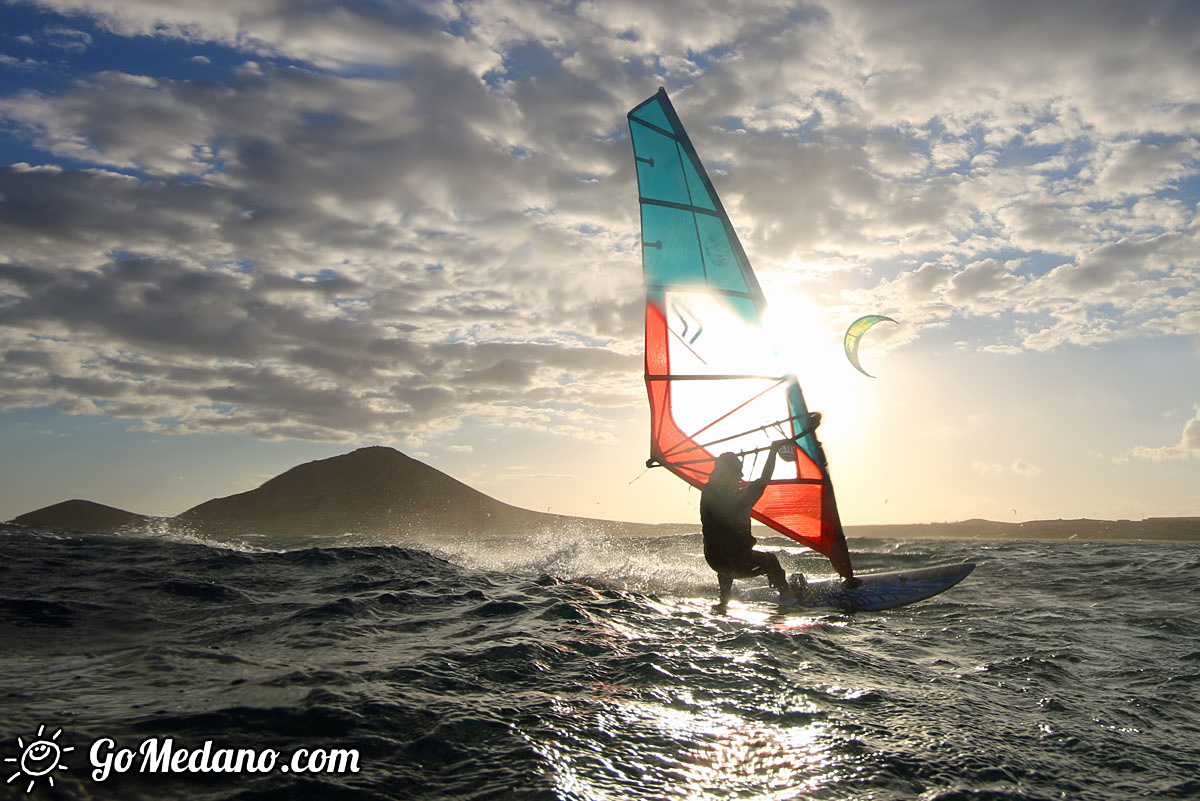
[(369, 490), (380, 490), (82, 516)]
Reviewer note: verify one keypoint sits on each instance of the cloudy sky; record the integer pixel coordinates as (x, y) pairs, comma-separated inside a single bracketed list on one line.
[(238, 235)]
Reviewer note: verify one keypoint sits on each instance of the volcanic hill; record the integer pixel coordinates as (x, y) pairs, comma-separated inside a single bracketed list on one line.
[(82, 516), (372, 489)]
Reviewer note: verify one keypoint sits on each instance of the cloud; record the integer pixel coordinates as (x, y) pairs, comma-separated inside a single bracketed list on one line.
[(978, 59), (1139, 167), (1188, 446), (893, 155), (1017, 468), (27, 64), (981, 281), (64, 38), (326, 34), (1048, 226), (187, 349), (402, 217)]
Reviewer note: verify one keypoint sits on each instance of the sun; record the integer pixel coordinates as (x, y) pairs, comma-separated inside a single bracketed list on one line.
[(809, 342), (39, 758)]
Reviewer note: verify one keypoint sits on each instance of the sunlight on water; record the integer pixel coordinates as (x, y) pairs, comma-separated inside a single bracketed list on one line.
[(723, 752), (686, 753), (755, 739), (766, 617)]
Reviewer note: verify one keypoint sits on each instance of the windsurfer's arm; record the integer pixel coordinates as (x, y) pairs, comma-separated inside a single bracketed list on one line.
[(755, 489), (769, 468)]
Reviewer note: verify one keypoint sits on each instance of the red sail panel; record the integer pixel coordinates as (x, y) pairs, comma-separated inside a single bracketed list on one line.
[(665, 435), (807, 513), (801, 506)]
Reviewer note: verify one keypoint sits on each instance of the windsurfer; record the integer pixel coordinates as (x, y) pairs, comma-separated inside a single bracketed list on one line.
[(725, 504)]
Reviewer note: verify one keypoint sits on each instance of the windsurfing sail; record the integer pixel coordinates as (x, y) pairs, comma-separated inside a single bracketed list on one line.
[(713, 378), (854, 335)]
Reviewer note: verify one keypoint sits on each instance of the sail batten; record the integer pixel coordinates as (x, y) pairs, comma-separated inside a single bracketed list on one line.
[(670, 204), (711, 369), (717, 377)]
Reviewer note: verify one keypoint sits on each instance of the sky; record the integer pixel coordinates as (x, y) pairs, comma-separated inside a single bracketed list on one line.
[(240, 235)]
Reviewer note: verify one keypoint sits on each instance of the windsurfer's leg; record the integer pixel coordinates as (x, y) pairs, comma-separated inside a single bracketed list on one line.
[(768, 564), (725, 582)]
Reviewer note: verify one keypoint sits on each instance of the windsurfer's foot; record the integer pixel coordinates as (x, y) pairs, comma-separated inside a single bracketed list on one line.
[(851, 583)]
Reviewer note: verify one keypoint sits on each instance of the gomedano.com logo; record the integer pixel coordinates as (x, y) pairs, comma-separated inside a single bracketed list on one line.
[(41, 755), (164, 756)]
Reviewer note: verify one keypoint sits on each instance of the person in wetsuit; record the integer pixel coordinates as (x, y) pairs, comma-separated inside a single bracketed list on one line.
[(725, 505)]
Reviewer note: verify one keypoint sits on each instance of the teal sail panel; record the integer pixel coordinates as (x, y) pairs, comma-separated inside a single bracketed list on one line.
[(687, 237)]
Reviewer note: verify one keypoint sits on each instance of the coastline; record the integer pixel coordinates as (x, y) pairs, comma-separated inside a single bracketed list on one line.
[(1162, 529)]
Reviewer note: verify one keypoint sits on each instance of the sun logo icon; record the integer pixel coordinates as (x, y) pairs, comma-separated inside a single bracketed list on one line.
[(39, 758)]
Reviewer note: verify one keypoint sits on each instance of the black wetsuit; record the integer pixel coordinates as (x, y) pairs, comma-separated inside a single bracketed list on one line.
[(728, 543)]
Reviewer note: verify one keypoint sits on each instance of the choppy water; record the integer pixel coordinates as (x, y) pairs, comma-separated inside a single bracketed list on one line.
[(559, 667)]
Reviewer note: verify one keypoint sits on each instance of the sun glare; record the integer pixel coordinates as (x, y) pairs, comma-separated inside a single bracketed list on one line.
[(709, 335), (810, 345)]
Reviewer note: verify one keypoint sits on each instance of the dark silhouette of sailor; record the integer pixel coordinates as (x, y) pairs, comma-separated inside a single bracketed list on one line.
[(725, 504)]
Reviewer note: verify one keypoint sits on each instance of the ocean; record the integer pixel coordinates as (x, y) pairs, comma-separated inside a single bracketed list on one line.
[(566, 665)]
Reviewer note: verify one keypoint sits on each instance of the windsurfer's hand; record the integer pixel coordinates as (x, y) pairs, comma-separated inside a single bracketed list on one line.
[(779, 444)]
